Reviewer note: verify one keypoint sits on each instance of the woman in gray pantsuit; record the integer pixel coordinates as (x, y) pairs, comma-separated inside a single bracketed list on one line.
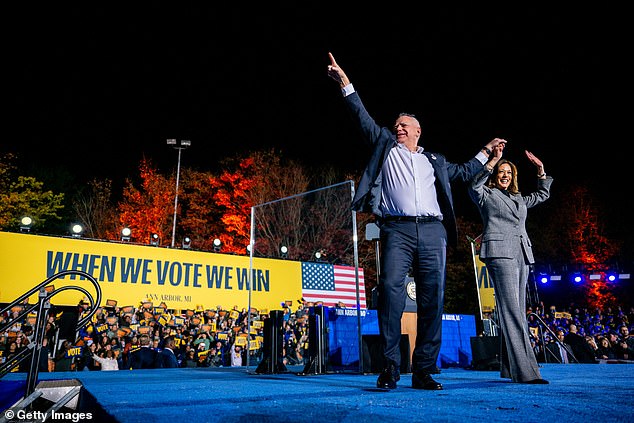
[(506, 251)]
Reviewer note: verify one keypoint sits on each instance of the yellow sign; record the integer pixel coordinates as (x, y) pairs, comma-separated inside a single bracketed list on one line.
[(534, 332), (484, 284), (131, 274)]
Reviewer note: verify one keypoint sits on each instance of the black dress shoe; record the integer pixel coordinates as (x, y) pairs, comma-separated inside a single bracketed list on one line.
[(434, 371), (422, 380), (388, 377), (537, 382)]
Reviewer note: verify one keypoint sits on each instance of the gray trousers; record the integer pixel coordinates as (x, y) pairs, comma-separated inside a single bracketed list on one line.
[(510, 276)]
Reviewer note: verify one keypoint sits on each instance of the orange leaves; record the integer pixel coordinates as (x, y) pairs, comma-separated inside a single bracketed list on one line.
[(233, 196), (146, 210)]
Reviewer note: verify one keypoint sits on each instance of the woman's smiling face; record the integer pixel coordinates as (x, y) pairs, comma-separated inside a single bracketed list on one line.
[(504, 176)]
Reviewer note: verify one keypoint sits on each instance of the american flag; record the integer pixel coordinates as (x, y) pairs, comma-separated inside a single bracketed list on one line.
[(332, 284)]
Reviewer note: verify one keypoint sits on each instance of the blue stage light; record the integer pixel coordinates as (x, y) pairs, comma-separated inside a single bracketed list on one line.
[(577, 278)]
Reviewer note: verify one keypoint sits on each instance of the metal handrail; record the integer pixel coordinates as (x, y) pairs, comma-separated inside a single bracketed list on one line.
[(544, 325), (533, 297), (35, 346), (70, 395), (22, 404), (15, 360)]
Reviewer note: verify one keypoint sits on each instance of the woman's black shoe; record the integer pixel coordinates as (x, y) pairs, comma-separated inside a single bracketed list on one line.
[(537, 382)]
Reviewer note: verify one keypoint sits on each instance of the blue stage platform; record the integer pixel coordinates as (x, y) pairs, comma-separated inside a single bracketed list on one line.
[(577, 393), (343, 335)]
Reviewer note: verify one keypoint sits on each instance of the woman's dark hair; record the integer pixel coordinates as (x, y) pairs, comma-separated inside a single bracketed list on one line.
[(513, 186)]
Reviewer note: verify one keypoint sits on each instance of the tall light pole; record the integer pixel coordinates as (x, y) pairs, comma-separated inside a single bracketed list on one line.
[(183, 144)]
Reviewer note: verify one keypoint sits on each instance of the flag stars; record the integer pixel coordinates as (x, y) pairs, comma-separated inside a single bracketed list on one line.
[(318, 276)]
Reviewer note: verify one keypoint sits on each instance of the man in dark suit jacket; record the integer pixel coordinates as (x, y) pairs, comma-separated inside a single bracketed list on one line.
[(167, 358), (144, 357), (582, 350), (559, 352), (408, 189)]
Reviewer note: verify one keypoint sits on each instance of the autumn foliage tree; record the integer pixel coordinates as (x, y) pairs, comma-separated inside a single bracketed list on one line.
[(591, 248), (199, 217), (231, 193), (146, 210), (93, 206), (25, 195), (303, 209), (577, 238)]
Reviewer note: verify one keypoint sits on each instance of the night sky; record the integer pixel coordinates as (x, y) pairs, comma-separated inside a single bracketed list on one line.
[(96, 88)]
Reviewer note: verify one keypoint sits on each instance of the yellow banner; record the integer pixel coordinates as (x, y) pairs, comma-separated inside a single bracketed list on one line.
[(131, 274), (484, 283)]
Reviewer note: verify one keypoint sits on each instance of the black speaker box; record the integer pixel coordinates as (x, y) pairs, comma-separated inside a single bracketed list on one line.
[(485, 351), (273, 360)]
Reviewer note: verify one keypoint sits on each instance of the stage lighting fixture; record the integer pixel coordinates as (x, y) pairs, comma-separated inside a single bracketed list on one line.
[(284, 251), (318, 255), (187, 243), (577, 277), (76, 230), (154, 240), (26, 223), (217, 244), (125, 234), (248, 248), (611, 277), (543, 278)]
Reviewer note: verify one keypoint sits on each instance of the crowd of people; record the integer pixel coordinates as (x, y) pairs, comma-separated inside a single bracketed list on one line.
[(120, 339), (154, 337), (584, 335)]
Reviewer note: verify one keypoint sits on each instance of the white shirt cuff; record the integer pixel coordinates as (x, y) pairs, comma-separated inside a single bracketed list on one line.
[(347, 90), (483, 158)]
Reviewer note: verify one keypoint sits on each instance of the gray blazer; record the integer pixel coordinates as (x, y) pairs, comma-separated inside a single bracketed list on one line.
[(504, 217)]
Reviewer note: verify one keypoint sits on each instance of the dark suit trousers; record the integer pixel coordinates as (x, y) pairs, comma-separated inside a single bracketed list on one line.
[(421, 247)]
